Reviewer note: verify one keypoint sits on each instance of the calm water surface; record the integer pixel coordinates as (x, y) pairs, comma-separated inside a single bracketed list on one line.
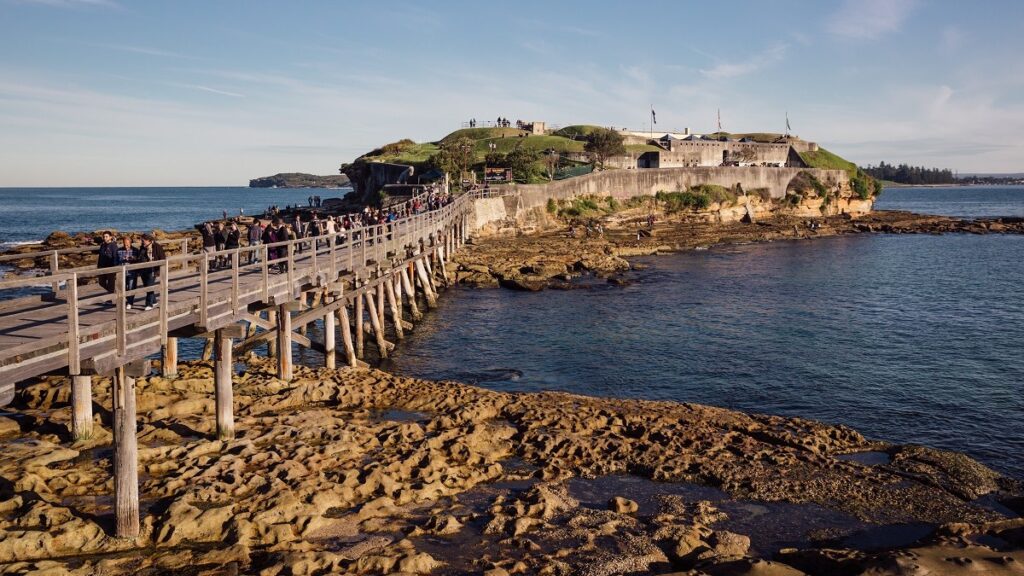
[(905, 338), (30, 214)]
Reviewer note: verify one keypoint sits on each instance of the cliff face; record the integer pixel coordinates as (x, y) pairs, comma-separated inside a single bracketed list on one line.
[(299, 180)]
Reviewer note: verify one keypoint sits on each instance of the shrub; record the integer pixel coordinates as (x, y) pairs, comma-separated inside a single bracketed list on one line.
[(397, 147), (714, 192), (861, 186), (677, 201), (613, 204), (552, 206)]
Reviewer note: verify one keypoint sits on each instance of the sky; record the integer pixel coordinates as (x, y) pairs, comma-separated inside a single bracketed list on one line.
[(215, 92)]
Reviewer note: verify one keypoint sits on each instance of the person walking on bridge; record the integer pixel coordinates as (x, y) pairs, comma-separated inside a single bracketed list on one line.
[(107, 259), (255, 236), (127, 254), (149, 252)]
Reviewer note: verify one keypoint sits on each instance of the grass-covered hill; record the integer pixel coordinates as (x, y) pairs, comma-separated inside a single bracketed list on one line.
[(567, 140)]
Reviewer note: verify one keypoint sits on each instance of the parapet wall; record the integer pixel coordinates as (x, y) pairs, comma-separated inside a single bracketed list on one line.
[(624, 184)]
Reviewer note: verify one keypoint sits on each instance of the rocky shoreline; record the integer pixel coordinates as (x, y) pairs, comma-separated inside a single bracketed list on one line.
[(361, 471), (552, 259)]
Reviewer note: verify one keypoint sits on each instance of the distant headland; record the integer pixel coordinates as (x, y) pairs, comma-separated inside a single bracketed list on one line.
[(299, 180)]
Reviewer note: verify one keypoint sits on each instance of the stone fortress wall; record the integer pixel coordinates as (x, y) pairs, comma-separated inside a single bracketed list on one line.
[(520, 199)]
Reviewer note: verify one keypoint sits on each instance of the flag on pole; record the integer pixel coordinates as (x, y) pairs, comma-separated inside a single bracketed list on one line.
[(719, 119), (653, 118), (787, 123)]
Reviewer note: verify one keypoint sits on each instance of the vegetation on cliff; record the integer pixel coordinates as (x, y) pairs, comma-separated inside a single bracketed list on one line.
[(299, 180)]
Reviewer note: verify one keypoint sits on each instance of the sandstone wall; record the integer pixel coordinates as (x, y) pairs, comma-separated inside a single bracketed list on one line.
[(530, 200), (623, 184)]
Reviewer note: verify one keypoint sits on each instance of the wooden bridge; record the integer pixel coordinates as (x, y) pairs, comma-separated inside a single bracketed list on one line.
[(356, 281)]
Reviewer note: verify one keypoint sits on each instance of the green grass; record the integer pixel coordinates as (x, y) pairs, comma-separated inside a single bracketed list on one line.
[(641, 148), (826, 160), (483, 133), (577, 131), (506, 145), (416, 154)]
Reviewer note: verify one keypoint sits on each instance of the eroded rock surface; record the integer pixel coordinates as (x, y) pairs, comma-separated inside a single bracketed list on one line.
[(319, 481)]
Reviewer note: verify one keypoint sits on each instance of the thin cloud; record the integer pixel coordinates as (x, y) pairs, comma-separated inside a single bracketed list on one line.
[(733, 69), (142, 50), (869, 19), (202, 88), (71, 3)]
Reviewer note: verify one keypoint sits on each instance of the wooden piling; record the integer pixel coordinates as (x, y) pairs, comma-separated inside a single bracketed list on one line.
[(81, 407), (380, 304), (169, 358), (359, 327), (272, 343), (284, 343), (223, 392), (346, 337), (126, 454), (208, 349), (329, 329), (410, 291), (425, 282), (378, 330), (302, 306), (396, 314)]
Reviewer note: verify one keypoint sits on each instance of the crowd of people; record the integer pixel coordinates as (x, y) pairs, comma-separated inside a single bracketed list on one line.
[(123, 252), (225, 235)]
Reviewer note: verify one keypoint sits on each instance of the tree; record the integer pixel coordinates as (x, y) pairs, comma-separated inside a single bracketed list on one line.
[(454, 156), (603, 143), (521, 160)]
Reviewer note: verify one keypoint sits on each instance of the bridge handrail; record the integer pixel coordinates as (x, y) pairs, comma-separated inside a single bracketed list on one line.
[(402, 238)]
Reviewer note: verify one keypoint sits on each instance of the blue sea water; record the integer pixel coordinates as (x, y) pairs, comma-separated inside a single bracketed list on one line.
[(30, 214), (906, 338)]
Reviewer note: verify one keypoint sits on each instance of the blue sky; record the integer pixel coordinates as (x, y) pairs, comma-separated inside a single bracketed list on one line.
[(133, 93)]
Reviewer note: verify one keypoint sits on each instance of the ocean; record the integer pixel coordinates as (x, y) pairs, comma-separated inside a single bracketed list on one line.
[(30, 214), (908, 339)]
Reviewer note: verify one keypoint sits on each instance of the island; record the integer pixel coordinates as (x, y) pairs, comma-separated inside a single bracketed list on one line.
[(299, 180)]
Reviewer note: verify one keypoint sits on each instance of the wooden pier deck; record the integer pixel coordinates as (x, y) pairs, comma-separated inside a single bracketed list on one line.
[(80, 328)]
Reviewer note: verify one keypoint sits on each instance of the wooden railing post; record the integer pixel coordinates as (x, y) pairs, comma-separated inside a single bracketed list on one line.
[(234, 282), (121, 330), (204, 272), (54, 268), (165, 300), (291, 269), (265, 270), (74, 358)]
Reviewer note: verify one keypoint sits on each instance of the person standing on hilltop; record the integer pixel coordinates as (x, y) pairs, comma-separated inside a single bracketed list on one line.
[(107, 259), (149, 252)]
